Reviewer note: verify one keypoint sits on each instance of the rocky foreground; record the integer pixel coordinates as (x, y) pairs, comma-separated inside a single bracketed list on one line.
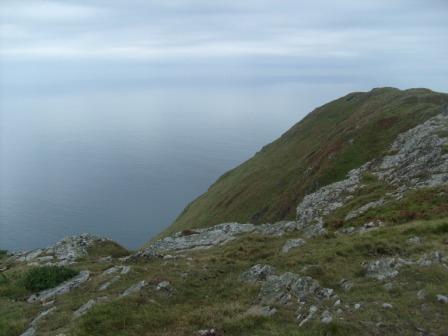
[(367, 255)]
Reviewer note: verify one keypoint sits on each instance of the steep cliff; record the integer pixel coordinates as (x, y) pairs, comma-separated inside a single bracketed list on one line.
[(319, 150)]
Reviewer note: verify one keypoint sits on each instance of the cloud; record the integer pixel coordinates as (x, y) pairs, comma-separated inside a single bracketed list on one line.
[(372, 38), (43, 10)]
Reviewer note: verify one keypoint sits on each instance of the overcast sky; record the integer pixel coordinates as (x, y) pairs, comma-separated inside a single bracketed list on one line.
[(367, 43)]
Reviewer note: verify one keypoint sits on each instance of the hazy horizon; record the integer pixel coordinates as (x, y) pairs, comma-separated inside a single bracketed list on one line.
[(114, 115)]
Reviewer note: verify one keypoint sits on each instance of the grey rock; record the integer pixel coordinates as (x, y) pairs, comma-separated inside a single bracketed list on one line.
[(30, 256), (291, 244), (312, 311), (84, 308), (357, 306), (45, 259), (326, 317), (387, 305), (164, 285), (283, 288), (442, 298), (346, 285), (48, 303), (107, 284), (105, 259), (207, 332), (257, 273), (63, 288), (111, 270), (41, 316), (125, 269), (415, 240), (203, 238), (63, 252), (383, 269), (29, 332), (358, 212), (264, 311), (71, 248), (134, 289), (435, 257), (421, 294), (418, 161)]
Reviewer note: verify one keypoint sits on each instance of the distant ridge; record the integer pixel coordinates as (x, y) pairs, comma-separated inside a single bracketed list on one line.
[(320, 149)]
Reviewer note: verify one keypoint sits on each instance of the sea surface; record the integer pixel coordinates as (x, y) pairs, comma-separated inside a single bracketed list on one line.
[(122, 161)]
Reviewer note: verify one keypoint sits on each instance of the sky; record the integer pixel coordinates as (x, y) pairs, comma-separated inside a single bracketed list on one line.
[(200, 42)]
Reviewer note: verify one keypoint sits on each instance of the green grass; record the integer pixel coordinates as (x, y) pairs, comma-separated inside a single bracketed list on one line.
[(320, 149), (211, 296), (3, 254), (41, 278), (208, 293), (107, 248)]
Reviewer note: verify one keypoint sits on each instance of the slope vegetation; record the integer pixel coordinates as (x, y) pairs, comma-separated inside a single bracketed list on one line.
[(321, 149)]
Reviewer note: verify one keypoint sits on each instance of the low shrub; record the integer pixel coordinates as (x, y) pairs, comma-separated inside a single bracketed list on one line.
[(41, 278)]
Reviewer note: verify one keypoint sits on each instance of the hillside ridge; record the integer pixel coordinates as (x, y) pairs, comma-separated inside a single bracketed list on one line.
[(320, 149)]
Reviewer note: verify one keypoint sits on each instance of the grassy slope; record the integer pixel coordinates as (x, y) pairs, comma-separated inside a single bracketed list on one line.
[(208, 293), (320, 149)]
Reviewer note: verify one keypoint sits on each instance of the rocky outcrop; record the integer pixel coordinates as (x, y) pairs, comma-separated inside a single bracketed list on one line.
[(63, 252), (292, 244), (63, 288), (383, 269), (84, 308), (282, 289), (257, 273), (387, 268), (290, 288), (134, 289), (214, 236), (418, 159)]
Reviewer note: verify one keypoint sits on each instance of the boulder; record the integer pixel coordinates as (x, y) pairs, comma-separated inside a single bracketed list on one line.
[(134, 289), (84, 308), (442, 298), (291, 244), (284, 288), (383, 269), (257, 273)]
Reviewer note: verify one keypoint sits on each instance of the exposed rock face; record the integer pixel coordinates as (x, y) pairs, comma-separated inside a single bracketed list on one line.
[(257, 273), (289, 288), (134, 289), (216, 235), (164, 286), (41, 316), (84, 308), (107, 284), (204, 238), (418, 160), (292, 244), (63, 288), (315, 206), (29, 332), (346, 285), (442, 298), (383, 269), (281, 289), (63, 252), (429, 259)]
